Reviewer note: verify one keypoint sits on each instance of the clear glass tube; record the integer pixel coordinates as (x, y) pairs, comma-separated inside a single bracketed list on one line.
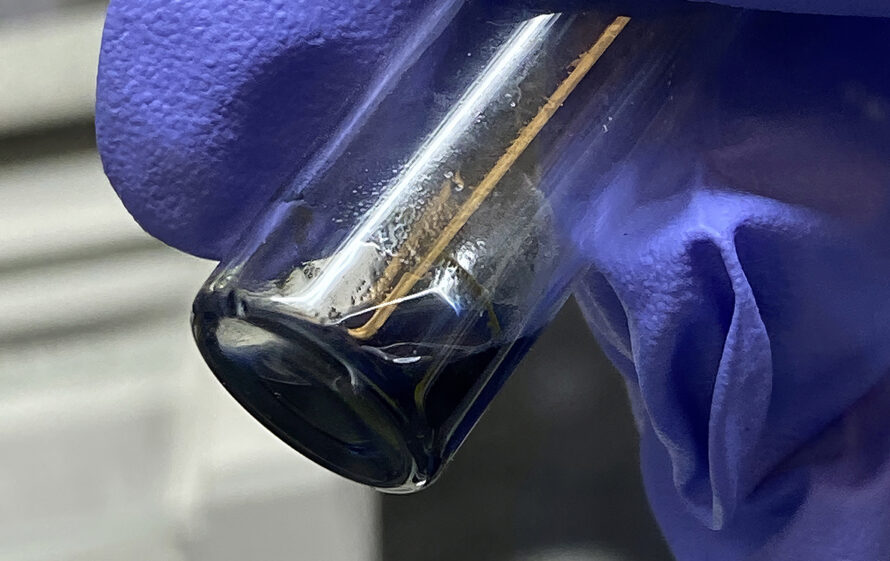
[(377, 307)]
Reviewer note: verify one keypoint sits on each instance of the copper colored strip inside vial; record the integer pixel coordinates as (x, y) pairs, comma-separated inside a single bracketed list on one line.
[(528, 133)]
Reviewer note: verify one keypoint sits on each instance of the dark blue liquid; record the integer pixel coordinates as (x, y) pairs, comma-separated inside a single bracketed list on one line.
[(389, 416)]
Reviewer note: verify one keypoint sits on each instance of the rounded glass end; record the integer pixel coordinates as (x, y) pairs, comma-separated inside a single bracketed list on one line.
[(310, 395)]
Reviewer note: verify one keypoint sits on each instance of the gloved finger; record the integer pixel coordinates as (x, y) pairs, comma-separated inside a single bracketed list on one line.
[(739, 281), (206, 107)]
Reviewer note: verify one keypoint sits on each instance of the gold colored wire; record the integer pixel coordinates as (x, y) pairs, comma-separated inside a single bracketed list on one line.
[(427, 220), (528, 133)]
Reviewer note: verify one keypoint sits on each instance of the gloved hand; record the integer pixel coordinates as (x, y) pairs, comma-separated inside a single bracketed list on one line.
[(741, 282), (738, 280)]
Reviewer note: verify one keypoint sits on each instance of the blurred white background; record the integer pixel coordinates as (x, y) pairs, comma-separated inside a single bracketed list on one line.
[(115, 440)]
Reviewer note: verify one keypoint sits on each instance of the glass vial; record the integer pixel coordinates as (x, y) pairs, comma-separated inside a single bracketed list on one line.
[(374, 311)]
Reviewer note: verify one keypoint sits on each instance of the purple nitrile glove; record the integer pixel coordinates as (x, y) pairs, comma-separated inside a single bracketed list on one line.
[(739, 280)]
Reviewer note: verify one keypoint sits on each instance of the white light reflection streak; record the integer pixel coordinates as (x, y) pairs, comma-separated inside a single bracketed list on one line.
[(506, 61)]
